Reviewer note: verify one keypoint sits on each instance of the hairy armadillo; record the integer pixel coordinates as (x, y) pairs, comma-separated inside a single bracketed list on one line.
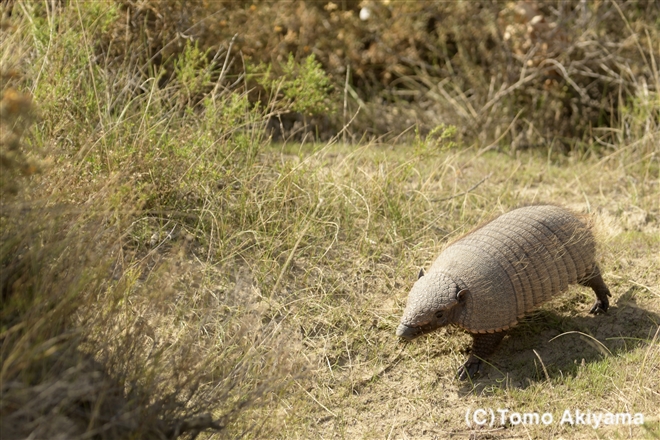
[(490, 278)]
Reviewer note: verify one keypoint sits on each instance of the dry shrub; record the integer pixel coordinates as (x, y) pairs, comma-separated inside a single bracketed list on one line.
[(111, 326), (101, 339), (527, 72)]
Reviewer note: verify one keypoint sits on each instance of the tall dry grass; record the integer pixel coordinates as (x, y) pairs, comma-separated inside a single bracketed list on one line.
[(115, 320)]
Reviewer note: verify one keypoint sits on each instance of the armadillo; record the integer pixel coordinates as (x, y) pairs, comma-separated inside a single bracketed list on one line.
[(486, 281)]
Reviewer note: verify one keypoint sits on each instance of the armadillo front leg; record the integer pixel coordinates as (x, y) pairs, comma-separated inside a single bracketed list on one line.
[(595, 281), (483, 345)]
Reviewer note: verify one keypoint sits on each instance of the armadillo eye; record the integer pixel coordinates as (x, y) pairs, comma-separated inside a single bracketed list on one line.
[(438, 314)]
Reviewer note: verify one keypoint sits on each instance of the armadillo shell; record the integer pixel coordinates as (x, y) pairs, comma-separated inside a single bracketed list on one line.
[(515, 263)]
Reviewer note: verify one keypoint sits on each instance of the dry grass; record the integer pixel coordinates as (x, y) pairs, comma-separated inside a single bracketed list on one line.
[(368, 385), (175, 272)]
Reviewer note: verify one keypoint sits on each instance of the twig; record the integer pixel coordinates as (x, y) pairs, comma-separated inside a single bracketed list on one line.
[(459, 108), (225, 67), (494, 144), (567, 77), (508, 90), (472, 188)]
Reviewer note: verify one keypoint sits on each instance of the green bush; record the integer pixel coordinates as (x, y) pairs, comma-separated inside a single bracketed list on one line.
[(301, 88)]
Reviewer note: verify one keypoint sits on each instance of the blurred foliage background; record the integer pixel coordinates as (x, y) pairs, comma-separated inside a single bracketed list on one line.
[(527, 73)]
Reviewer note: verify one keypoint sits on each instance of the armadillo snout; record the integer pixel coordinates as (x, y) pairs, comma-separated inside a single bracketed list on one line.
[(408, 333)]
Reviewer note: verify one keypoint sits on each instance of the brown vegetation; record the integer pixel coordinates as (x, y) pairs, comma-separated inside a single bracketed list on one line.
[(525, 73)]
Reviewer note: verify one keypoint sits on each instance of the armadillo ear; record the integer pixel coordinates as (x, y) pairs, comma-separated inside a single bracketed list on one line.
[(462, 294), (421, 273)]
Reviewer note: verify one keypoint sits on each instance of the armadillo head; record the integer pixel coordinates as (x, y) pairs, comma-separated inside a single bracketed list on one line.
[(432, 303)]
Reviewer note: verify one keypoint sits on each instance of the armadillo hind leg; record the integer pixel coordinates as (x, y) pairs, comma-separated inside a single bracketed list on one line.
[(483, 345), (595, 281)]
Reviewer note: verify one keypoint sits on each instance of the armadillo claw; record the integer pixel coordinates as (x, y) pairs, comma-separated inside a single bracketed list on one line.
[(599, 307), (470, 369)]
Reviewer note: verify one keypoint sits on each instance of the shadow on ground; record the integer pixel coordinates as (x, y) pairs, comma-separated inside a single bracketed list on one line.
[(564, 344)]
